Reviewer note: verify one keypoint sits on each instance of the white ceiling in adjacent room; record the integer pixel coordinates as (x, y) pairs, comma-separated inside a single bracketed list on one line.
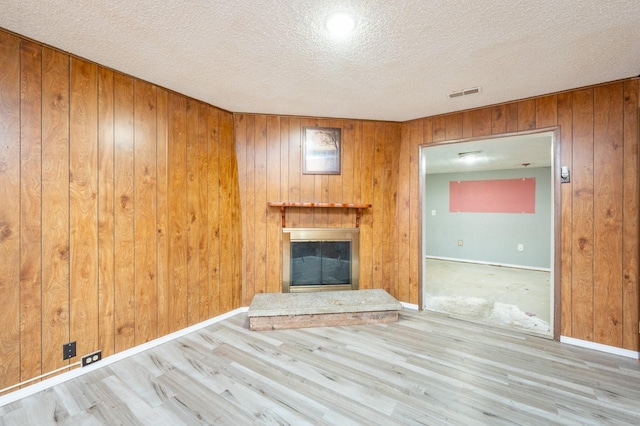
[(400, 62)]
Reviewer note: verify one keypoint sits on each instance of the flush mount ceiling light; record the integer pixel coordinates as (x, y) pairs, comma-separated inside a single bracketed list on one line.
[(468, 153), (340, 24)]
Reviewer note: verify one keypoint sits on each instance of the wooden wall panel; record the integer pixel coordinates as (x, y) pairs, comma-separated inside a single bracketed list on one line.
[(527, 115), (366, 222), (390, 218), (10, 215), (106, 213), (630, 221), (273, 217), (94, 231), (413, 250), (582, 228), (546, 111), (213, 209), (272, 169), (499, 119), (55, 207), (598, 126), (231, 246), (124, 214), (565, 121), (203, 200), (83, 206), (481, 122), (260, 204), (608, 186), (193, 211), (177, 195), (599, 143), (30, 210), (145, 255), (162, 212), (295, 157)]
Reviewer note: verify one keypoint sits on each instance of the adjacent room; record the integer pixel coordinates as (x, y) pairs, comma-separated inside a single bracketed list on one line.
[(319, 212), (487, 221)]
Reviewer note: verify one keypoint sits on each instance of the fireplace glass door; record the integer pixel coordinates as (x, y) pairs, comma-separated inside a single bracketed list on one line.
[(319, 259), (320, 263)]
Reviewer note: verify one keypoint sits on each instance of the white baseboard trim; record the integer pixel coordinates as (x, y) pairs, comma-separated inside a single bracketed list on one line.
[(45, 384), (600, 347), (409, 306), (482, 262)]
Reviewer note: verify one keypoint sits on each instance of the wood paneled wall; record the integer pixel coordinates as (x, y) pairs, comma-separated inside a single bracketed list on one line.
[(119, 211), (270, 168), (599, 218)]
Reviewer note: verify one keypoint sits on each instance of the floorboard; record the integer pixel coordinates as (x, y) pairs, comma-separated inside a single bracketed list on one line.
[(425, 369)]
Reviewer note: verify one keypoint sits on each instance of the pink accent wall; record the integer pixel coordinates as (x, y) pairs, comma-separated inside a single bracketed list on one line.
[(493, 196)]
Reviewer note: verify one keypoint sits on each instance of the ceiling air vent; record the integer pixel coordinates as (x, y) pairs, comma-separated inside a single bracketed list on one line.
[(464, 92)]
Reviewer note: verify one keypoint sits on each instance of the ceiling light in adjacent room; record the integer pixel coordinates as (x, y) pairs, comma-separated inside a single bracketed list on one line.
[(340, 24), (470, 156)]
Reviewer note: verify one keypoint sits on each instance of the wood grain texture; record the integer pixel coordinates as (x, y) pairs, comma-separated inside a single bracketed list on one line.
[(565, 121), (423, 369), (83, 205), (413, 250), (498, 119), (124, 213), (177, 207), (598, 246), (55, 207), (106, 212), (30, 210), (608, 188), (213, 210), (145, 254), (630, 222), (230, 296), (273, 222), (546, 111), (481, 122), (10, 215), (90, 236), (162, 213), (193, 212), (583, 216), (404, 213), (527, 115), (202, 207)]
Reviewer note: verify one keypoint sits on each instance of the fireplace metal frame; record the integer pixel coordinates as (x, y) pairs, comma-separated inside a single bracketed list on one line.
[(320, 234)]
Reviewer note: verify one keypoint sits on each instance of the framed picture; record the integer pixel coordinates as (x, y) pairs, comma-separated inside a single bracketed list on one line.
[(321, 151)]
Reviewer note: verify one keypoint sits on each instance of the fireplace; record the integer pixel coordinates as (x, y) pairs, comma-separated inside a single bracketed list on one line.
[(320, 259)]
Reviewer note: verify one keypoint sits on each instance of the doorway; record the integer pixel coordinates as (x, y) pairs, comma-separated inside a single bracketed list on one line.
[(488, 230)]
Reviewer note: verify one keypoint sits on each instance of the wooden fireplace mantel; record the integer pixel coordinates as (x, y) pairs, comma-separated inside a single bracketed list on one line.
[(284, 204)]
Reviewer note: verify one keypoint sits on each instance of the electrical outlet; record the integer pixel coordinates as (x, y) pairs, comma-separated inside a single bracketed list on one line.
[(91, 358), (520, 247), (68, 350), (460, 243)]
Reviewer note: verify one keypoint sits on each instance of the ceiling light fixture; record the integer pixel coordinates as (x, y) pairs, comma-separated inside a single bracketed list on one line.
[(468, 153), (340, 24)]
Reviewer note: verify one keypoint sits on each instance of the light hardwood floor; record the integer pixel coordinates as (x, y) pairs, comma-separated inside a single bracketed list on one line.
[(425, 369)]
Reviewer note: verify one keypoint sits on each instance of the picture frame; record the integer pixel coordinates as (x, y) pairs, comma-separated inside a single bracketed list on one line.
[(321, 148)]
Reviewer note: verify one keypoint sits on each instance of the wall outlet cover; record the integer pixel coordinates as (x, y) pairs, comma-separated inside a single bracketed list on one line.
[(68, 350), (91, 358)]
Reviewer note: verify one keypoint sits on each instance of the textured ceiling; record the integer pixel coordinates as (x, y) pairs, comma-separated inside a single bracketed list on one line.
[(405, 56)]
